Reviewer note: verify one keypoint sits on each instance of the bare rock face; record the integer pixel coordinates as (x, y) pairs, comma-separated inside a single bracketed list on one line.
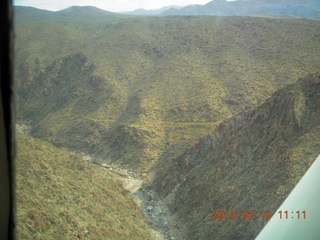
[(104, 165)]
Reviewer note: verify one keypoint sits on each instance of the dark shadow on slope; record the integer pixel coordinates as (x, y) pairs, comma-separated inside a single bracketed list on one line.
[(252, 161)]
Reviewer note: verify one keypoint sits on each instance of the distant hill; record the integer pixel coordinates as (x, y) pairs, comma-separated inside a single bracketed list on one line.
[(144, 12), (87, 12), (305, 9)]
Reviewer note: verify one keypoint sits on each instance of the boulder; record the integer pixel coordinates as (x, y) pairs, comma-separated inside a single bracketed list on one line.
[(104, 165)]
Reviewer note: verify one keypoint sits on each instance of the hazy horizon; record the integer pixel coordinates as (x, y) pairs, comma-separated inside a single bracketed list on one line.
[(112, 6)]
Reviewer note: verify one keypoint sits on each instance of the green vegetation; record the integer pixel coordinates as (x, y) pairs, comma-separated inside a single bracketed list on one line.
[(158, 80), (61, 196), (251, 161), (211, 107)]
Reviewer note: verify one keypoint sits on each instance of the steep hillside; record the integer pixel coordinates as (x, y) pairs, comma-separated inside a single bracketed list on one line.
[(128, 88), (60, 196), (250, 162), (223, 110)]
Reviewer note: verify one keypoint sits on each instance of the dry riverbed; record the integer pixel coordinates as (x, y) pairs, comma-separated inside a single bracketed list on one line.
[(153, 209)]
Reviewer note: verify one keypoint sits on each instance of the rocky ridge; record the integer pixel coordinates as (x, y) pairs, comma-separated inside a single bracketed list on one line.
[(251, 161)]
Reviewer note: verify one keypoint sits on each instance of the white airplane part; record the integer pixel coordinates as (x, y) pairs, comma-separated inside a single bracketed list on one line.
[(298, 218)]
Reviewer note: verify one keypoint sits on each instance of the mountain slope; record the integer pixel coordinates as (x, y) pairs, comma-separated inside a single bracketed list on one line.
[(144, 92), (305, 9), (61, 196), (250, 162), (125, 89), (144, 12)]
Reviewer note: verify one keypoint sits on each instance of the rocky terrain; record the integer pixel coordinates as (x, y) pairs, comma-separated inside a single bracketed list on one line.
[(251, 161), (60, 195), (125, 88), (190, 114)]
